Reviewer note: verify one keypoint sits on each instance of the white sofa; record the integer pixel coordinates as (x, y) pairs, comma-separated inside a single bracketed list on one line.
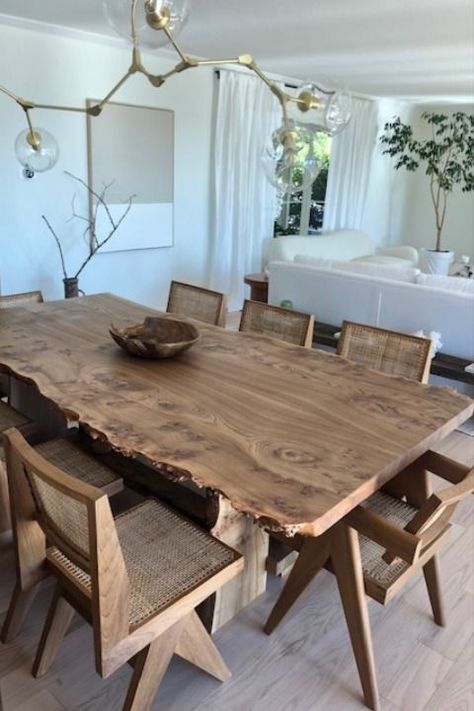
[(346, 245), (333, 295)]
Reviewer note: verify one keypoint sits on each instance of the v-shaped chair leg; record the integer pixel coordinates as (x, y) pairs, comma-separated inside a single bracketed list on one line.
[(149, 668), (431, 572), (345, 558), (57, 624), (20, 604), (313, 556), (196, 646)]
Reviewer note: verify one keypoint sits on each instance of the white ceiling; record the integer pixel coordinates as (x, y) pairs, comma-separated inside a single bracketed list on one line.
[(419, 49)]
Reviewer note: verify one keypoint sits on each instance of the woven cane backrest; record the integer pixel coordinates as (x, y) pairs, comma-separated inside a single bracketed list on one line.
[(288, 325), (62, 502), (12, 300), (196, 302), (386, 351)]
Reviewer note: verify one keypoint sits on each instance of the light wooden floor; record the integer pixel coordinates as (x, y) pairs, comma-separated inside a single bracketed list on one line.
[(306, 665)]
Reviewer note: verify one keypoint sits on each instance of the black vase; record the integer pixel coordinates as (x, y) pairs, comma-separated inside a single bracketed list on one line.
[(71, 287)]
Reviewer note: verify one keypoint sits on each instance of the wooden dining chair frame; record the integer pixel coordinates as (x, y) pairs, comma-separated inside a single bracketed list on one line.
[(12, 300), (221, 302), (418, 544), (148, 646), (307, 320), (424, 345)]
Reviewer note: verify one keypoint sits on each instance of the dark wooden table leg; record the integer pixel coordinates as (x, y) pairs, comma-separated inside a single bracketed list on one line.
[(345, 556)]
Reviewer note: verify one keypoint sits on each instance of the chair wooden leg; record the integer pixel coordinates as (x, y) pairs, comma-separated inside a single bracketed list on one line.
[(59, 618), (431, 571), (196, 646), (20, 603), (345, 556), (5, 521), (149, 669), (313, 555)]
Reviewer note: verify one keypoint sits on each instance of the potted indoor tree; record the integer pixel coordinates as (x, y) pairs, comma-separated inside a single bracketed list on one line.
[(447, 155)]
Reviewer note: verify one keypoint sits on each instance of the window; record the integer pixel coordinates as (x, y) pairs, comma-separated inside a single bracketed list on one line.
[(303, 213)]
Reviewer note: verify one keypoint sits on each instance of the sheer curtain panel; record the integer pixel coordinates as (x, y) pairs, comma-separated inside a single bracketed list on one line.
[(244, 201), (350, 167)]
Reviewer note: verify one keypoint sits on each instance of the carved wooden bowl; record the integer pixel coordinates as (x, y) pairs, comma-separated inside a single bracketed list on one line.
[(156, 337)]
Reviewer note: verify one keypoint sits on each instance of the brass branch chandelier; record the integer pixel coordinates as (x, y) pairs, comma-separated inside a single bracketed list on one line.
[(153, 23)]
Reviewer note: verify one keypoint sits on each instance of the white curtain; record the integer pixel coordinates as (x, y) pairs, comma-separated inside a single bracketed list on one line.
[(350, 168), (244, 200)]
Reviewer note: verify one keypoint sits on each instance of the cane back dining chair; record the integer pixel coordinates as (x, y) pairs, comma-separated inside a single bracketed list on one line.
[(398, 537), (196, 302), (386, 351), (137, 578), (11, 301), (288, 325), (71, 457)]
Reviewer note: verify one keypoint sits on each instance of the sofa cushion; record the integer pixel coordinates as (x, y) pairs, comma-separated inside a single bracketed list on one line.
[(375, 269), (339, 244), (384, 259), (448, 283)]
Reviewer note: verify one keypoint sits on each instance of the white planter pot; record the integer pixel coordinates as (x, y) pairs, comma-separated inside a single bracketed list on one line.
[(433, 262)]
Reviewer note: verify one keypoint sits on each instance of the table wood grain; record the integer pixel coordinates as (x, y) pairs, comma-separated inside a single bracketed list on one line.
[(293, 437)]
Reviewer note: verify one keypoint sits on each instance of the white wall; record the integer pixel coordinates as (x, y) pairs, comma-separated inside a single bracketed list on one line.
[(418, 224), (387, 188), (52, 69)]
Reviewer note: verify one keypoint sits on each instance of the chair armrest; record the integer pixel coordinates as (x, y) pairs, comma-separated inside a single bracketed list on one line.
[(398, 542), (442, 466)]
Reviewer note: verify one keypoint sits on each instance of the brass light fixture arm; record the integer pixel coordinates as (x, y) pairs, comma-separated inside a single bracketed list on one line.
[(305, 101)]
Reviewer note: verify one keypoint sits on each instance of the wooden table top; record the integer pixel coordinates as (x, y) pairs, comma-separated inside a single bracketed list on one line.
[(292, 436)]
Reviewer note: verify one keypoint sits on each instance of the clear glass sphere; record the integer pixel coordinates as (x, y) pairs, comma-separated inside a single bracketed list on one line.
[(338, 112), (333, 110), (40, 152), (118, 14), (289, 160)]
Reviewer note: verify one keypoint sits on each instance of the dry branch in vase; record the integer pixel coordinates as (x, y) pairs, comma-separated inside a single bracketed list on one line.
[(94, 243)]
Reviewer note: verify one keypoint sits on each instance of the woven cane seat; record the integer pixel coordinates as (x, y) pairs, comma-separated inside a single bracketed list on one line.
[(74, 461), (9, 417), (166, 557), (399, 513)]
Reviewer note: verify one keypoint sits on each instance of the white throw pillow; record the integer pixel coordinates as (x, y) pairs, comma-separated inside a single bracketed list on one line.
[(385, 271), (448, 283), (384, 259), (318, 262)]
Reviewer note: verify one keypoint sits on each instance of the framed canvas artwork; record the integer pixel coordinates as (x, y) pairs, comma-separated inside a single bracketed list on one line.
[(131, 150)]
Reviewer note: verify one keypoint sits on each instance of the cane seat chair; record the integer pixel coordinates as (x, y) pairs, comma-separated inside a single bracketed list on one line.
[(71, 458), (398, 537), (386, 351), (195, 302), (12, 301), (287, 325), (137, 579), (9, 301)]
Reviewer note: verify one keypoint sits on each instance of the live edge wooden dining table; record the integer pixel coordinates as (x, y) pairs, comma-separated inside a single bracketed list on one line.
[(288, 437)]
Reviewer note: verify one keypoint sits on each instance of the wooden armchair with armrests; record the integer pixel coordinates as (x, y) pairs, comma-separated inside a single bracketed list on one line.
[(398, 537), (136, 579)]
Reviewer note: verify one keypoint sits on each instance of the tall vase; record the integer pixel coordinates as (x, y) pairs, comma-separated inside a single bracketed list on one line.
[(71, 287)]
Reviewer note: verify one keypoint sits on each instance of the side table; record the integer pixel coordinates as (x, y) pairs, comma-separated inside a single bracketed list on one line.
[(258, 286)]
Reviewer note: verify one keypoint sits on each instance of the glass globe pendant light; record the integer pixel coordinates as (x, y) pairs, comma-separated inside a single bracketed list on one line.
[(289, 160), (37, 149), (330, 111), (150, 17)]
